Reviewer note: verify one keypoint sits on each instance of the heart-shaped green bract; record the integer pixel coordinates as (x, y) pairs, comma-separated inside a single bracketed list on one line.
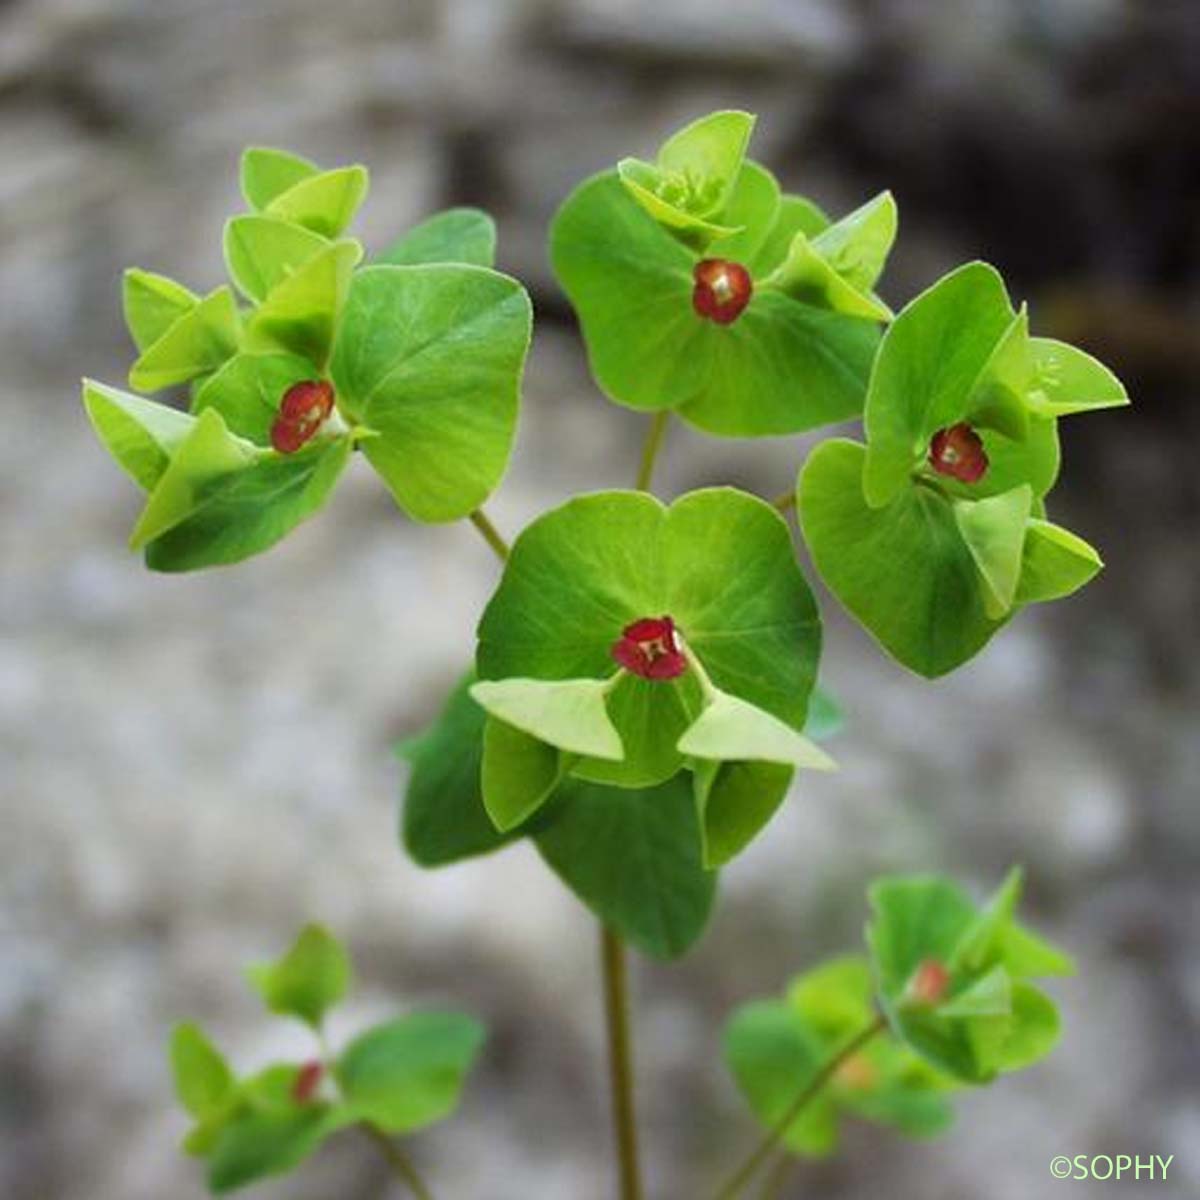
[(631, 855), (781, 367), (430, 359), (295, 190), (308, 980), (930, 577), (983, 1017), (457, 235), (198, 340), (719, 562), (261, 252), (248, 389), (152, 304), (775, 1047)]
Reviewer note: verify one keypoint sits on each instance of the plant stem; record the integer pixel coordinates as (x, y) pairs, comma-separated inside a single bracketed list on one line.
[(490, 534), (762, 1152), (773, 1186), (397, 1160), (650, 448), (785, 502), (620, 1062)]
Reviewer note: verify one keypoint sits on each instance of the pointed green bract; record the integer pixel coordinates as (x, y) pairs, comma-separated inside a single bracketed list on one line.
[(997, 399), (409, 1073), (152, 304), (198, 341), (567, 713), (730, 729), (1056, 563), (719, 562), (994, 532), (308, 980), (324, 203), (796, 214), (444, 816), (268, 173), (458, 235), (519, 773), (431, 358), (734, 802), (233, 515), (203, 1080), (781, 367), (261, 252), (903, 571), (985, 1017), (1067, 381), (248, 389), (753, 209), (301, 312), (141, 435), (632, 855)]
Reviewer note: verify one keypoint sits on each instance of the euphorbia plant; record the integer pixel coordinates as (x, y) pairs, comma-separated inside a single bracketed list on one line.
[(642, 697)]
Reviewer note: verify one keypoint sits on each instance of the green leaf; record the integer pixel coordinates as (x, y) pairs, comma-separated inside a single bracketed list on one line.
[(308, 980), (431, 358), (261, 252), (998, 397), (519, 773), (729, 729), (458, 235), (247, 391), (903, 571), (735, 800), (834, 998), (710, 148), (632, 855), (719, 562), (994, 531), (325, 203), (244, 512), (259, 1144), (1021, 1039), (1055, 563), (567, 713), (198, 341), (797, 214), (302, 311), (773, 1057), (444, 816), (1066, 381), (929, 361), (152, 304), (987, 996), (409, 1073), (140, 434), (781, 367), (203, 1080), (753, 209), (268, 173)]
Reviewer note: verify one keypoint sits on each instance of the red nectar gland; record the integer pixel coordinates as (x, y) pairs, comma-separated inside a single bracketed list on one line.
[(722, 291), (929, 984), (648, 648), (305, 407), (958, 451), (307, 1082)]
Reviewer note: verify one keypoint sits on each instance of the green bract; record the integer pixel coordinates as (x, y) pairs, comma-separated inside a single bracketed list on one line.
[(797, 357), (776, 1047), (308, 980), (984, 1016), (931, 564), (720, 564), (425, 361)]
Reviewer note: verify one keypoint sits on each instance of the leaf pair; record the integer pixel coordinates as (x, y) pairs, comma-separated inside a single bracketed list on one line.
[(775, 1048), (933, 564), (397, 1077), (625, 247)]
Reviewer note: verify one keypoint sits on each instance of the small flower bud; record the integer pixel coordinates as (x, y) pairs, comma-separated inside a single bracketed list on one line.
[(722, 291), (958, 451), (928, 984), (307, 1081), (858, 1073), (648, 648), (303, 410)]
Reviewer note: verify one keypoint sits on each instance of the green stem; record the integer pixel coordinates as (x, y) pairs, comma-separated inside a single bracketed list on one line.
[(763, 1151), (397, 1160), (773, 1186), (653, 444), (620, 1062), (490, 534)]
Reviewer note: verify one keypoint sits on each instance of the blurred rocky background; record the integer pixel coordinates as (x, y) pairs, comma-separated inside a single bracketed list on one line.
[(191, 767)]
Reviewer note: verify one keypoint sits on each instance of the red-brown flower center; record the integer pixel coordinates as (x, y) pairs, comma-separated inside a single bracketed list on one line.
[(308, 1080), (958, 452), (648, 648), (722, 290), (929, 982), (305, 407)]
